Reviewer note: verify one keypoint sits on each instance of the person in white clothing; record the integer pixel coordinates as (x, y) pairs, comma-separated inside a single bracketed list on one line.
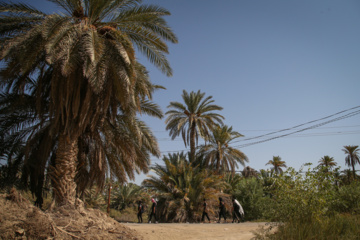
[(238, 211)]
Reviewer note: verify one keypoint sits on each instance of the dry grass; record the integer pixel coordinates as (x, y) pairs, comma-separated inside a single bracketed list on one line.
[(19, 219)]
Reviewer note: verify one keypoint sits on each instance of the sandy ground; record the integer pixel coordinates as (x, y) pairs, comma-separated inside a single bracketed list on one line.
[(183, 231)]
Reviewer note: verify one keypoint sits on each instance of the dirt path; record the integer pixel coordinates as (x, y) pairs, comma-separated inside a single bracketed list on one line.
[(183, 231)]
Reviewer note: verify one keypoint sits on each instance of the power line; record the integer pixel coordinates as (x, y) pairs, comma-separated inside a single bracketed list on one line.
[(303, 124), (348, 115), (301, 130)]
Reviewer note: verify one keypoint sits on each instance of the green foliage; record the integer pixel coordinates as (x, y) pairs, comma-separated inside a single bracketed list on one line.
[(301, 197), (339, 227), (126, 196), (250, 194), (94, 198), (347, 199), (181, 188)]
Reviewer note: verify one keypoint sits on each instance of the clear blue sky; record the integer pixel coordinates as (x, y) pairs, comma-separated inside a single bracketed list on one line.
[(271, 64)]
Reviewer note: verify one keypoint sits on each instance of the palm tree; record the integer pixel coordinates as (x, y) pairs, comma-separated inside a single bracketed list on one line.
[(218, 153), (232, 180), (352, 157), (182, 187), (277, 164), (249, 172), (327, 162), (195, 118), (126, 195), (89, 59), (125, 145)]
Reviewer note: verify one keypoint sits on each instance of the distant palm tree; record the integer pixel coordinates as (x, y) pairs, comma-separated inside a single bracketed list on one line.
[(267, 179), (232, 181), (327, 162), (249, 172), (88, 55), (347, 176), (195, 118), (218, 153), (277, 164), (352, 157), (126, 195)]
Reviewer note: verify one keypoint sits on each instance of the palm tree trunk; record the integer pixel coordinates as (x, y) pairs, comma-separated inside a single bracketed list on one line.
[(353, 167), (192, 143), (63, 175)]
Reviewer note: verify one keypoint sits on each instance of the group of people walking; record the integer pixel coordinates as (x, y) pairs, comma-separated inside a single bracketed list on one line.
[(237, 211)]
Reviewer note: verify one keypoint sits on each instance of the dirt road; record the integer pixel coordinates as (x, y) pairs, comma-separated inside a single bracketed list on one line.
[(183, 231)]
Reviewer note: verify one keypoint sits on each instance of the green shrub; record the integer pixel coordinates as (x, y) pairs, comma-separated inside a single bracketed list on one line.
[(337, 227), (347, 199), (301, 196), (250, 194)]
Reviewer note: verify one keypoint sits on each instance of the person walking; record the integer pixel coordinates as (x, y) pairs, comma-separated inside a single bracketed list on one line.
[(140, 212), (153, 210), (238, 211), (205, 212), (222, 210)]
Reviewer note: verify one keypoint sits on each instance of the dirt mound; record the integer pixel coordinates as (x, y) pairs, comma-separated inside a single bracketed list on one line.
[(19, 219)]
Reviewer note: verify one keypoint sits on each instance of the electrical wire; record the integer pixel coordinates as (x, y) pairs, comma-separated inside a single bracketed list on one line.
[(348, 115)]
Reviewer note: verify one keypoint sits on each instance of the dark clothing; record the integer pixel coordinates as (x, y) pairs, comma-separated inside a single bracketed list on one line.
[(237, 216), (205, 213), (153, 211), (140, 212), (222, 211)]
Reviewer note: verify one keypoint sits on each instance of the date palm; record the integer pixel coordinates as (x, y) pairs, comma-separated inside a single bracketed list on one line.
[(249, 172), (195, 118), (181, 188), (352, 157), (126, 195), (277, 164), (327, 162), (218, 153), (89, 49), (117, 148)]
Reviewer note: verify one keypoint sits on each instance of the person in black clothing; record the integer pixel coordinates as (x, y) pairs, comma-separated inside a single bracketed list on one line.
[(140, 212), (153, 211), (222, 211), (205, 212)]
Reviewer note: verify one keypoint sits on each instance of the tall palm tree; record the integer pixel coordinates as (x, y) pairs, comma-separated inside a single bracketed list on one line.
[(125, 145), (218, 153), (327, 162), (89, 57), (352, 157), (277, 164), (195, 118)]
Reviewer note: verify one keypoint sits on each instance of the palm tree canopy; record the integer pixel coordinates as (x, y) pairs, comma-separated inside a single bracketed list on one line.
[(195, 118), (88, 49), (249, 172), (352, 157), (218, 152), (327, 161), (277, 164)]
